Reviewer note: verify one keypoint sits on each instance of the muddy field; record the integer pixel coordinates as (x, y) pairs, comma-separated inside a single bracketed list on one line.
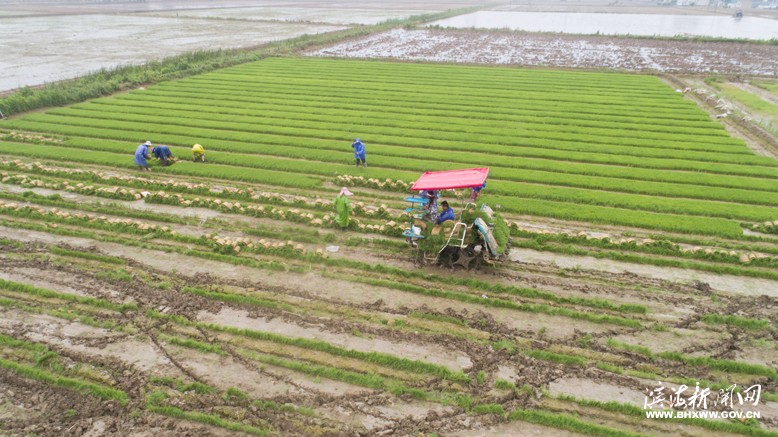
[(166, 333), (186, 301), (50, 42), (51, 48), (566, 51)]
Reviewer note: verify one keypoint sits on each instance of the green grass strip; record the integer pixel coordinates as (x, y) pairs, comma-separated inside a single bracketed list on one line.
[(379, 358), (238, 298), (713, 425), (41, 292), (364, 380), (86, 255), (193, 344), (500, 303), (556, 357), (208, 419), (740, 322), (713, 363), (569, 422), (69, 383), (180, 385), (723, 365)]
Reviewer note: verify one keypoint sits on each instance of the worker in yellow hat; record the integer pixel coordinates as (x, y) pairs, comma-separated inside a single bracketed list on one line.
[(198, 152)]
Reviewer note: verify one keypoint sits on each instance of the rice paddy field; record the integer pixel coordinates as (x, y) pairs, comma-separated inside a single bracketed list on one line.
[(220, 297)]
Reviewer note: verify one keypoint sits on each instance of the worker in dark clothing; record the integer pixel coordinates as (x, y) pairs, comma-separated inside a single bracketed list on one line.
[(164, 155), (446, 214)]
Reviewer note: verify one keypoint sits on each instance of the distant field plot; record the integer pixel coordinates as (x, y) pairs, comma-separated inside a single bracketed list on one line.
[(549, 50), (307, 14), (50, 48)]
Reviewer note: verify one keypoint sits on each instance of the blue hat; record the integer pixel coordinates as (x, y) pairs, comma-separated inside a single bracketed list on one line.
[(358, 140)]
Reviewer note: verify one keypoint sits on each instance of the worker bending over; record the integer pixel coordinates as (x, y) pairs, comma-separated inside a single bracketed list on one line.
[(446, 214), (343, 208), (164, 155), (141, 155), (198, 152)]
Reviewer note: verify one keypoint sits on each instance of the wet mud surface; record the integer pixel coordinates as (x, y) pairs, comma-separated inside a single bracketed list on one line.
[(269, 333), (566, 51)]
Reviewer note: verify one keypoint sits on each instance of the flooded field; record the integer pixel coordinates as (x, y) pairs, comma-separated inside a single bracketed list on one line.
[(46, 42), (45, 49), (618, 24), (307, 14)]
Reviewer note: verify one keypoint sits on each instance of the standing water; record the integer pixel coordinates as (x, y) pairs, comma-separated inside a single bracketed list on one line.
[(619, 24)]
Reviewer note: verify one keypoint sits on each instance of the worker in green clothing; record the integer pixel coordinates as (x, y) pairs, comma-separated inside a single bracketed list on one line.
[(343, 207)]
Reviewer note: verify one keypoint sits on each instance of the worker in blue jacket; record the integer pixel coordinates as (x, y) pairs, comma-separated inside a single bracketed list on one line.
[(446, 214), (164, 155), (141, 155), (359, 152)]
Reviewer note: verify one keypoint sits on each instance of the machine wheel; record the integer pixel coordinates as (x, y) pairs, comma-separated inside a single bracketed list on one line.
[(448, 257), (465, 258)]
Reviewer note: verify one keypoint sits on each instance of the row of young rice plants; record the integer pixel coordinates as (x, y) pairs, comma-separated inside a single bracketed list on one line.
[(505, 77), (435, 107), (560, 210), (555, 209), (757, 166), (459, 75), (497, 114), (469, 85), (549, 176), (549, 93), (543, 96), (342, 128), (275, 235), (545, 162), (431, 125), (628, 155), (522, 190), (428, 100), (499, 188), (286, 107), (266, 138), (508, 136), (215, 171), (92, 190), (356, 89), (271, 234)]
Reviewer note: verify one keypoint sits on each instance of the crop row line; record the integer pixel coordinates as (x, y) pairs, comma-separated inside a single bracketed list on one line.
[(452, 94), (279, 105), (600, 214), (596, 190), (430, 108), (402, 99), (514, 79), (380, 134), (292, 118)]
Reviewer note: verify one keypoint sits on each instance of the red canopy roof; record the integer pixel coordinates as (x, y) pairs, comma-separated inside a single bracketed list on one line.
[(450, 179)]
